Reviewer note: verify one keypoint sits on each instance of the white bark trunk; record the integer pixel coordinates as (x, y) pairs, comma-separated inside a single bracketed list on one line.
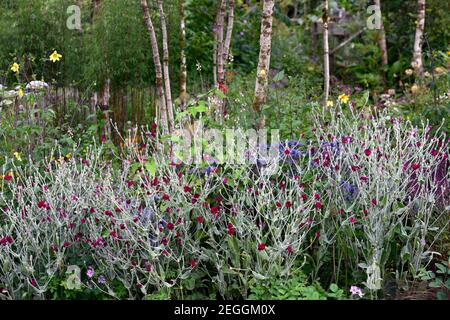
[(265, 43), (158, 69), (165, 45), (382, 39), (417, 63), (326, 53), (183, 69)]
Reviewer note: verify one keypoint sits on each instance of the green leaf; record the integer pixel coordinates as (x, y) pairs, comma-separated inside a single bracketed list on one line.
[(150, 166), (279, 76), (441, 295)]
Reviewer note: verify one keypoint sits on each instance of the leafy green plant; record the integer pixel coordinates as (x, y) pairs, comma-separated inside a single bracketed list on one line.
[(439, 279)]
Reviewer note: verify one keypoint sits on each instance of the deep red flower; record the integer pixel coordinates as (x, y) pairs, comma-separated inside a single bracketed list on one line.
[(7, 177), (304, 197), (287, 152), (288, 204), (355, 168), (109, 213), (352, 220), (187, 189), (215, 209), (166, 197), (122, 226), (367, 152), (374, 201), (318, 205), (193, 263), (200, 219), (278, 204), (364, 179), (317, 196), (415, 166), (43, 205), (66, 244), (318, 234), (170, 226), (261, 246), (83, 221), (290, 249), (92, 210), (223, 87)]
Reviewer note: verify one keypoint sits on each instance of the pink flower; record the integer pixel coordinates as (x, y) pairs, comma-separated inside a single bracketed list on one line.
[(352, 220), (354, 290), (367, 152), (290, 249), (200, 219), (415, 166), (90, 272), (318, 205), (288, 204), (374, 201), (193, 264), (166, 197)]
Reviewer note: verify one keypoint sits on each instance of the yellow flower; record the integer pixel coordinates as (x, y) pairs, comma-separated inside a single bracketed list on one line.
[(343, 98), (15, 67), (68, 156), (20, 93), (330, 104), (263, 73), (17, 155), (55, 56), (448, 52)]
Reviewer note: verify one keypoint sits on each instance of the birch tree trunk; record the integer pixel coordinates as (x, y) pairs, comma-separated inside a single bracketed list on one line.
[(265, 43), (326, 54), (165, 45), (230, 25), (158, 69), (183, 68), (417, 62), (220, 42), (382, 39)]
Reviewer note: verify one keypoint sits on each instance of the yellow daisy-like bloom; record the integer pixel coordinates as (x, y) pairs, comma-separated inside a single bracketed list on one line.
[(330, 104), (343, 98), (20, 93), (68, 156), (17, 155), (263, 73), (15, 67), (55, 56)]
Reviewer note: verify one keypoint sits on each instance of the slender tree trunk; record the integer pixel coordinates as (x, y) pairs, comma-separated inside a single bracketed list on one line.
[(220, 42), (417, 62), (165, 45), (158, 69), (183, 69), (226, 51), (326, 54), (382, 39), (265, 42)]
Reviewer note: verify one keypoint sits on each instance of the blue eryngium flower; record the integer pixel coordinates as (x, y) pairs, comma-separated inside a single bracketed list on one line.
[(350, 191)]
